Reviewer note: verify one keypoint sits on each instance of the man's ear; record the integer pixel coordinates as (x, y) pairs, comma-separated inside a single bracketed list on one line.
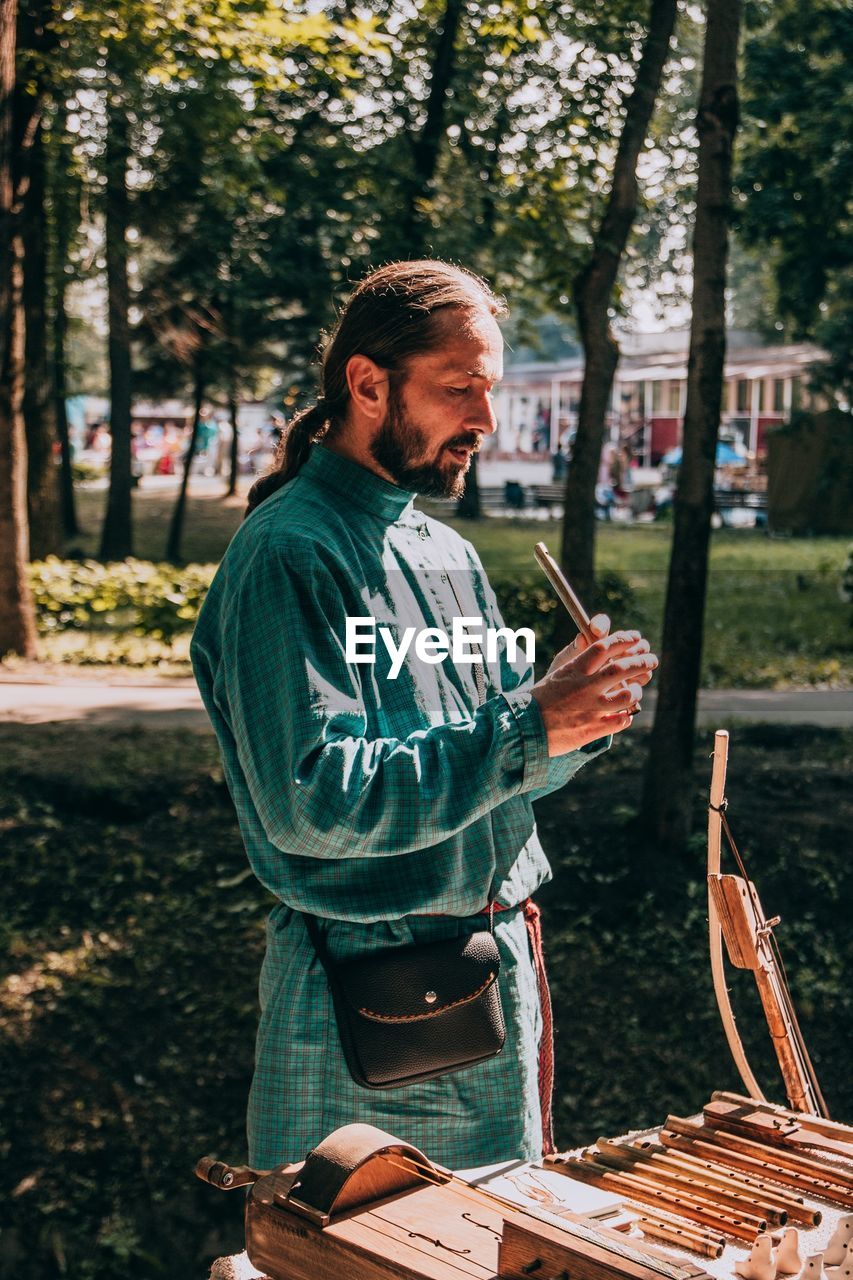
[(368, 387)]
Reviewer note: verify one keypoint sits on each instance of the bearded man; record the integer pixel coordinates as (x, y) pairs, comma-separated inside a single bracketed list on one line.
[(392, 811)]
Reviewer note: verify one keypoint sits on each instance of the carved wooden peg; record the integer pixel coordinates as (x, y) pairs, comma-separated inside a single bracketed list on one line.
[(760, 1264)]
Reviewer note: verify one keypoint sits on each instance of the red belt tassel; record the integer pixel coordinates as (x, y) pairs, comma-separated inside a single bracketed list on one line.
[(533, 921)]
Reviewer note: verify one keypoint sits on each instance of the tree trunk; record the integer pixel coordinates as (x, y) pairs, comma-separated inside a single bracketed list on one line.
[(8, 40), (17, 615), (234, 449), (666, 796), (39, 406), (176, 528), (593, 295), (117, 534), (64, 221), (68, 507), (427, 144)]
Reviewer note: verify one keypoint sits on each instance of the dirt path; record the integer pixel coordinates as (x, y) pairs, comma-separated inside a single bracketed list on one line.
[(151, 702)]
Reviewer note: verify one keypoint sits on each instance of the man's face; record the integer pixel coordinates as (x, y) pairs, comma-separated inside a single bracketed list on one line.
[(439, 414)]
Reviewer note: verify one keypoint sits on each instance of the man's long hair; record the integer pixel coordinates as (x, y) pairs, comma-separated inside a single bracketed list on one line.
[(396, 312)]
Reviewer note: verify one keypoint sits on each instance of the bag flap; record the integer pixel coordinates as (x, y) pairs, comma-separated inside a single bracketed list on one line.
[(406, 984)]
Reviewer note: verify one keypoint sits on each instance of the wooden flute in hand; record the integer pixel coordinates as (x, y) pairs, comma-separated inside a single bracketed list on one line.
[(566, 593)]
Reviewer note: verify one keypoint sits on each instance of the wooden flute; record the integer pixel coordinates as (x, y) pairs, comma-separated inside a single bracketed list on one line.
[(797, 1180), (716, 1174), (743, 1227), (567, 595), (807, 1164), (689, 1185), (703, 1242)]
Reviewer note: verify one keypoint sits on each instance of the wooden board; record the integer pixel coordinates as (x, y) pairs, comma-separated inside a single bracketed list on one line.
[(546, 1253)]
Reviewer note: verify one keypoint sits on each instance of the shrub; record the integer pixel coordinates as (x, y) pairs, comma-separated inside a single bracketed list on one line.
[(533, 604), (134, 596), (84, 472), (161, 601)]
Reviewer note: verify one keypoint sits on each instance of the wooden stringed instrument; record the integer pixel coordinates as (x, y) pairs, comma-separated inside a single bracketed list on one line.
[(366, 1205)]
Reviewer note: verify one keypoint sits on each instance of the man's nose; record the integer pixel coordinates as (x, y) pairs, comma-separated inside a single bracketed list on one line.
[(483, 415)]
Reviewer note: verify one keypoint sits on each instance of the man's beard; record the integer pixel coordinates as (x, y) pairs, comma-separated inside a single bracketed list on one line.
[(399, 440)]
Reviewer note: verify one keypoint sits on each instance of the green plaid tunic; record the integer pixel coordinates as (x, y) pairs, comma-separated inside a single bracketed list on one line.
[(392, 809)]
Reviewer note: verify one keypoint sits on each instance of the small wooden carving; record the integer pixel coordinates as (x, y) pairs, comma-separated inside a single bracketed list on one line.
[(760, 1265), (813, 1270), (836, 1250), (788, 1260), (844, 1271)]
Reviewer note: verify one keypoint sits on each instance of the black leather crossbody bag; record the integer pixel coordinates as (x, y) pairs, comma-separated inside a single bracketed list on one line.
[(413, 1013)]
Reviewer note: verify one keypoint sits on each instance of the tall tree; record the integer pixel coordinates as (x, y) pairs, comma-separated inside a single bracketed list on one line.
[(17, 617), (37, 41), (8, 47), (117, 532), (131, 56), (39, 402), (426, 141), (64, 184), (593, 293), (667, 793), (176, 525), (795, 172)]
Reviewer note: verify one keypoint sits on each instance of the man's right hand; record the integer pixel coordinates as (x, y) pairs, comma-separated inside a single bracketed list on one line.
[(594, 692)]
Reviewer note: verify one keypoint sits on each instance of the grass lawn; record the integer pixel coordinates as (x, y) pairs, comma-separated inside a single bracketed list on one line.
[(774, 616), (132, 935)]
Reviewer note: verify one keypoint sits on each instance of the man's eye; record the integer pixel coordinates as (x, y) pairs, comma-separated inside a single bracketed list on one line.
[(458, 391)]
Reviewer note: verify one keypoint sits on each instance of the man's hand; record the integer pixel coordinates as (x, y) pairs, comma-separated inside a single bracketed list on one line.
[(593, 689)]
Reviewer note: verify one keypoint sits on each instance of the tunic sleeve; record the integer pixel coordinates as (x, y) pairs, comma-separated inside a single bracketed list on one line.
[(321, 786)]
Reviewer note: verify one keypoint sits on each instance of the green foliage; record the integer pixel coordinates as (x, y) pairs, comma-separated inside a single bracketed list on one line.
[(132, 933), (141, 602), (134, 596), (773, 617), (109, 649), (528, 603), (795, 173), (273, 151), (83, 472), (127, 1017)]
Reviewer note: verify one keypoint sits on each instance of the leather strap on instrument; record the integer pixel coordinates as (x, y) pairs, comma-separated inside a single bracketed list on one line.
[(335, 1177)]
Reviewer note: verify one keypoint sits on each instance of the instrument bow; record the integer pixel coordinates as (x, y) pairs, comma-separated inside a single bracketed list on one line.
[(735, 913)]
